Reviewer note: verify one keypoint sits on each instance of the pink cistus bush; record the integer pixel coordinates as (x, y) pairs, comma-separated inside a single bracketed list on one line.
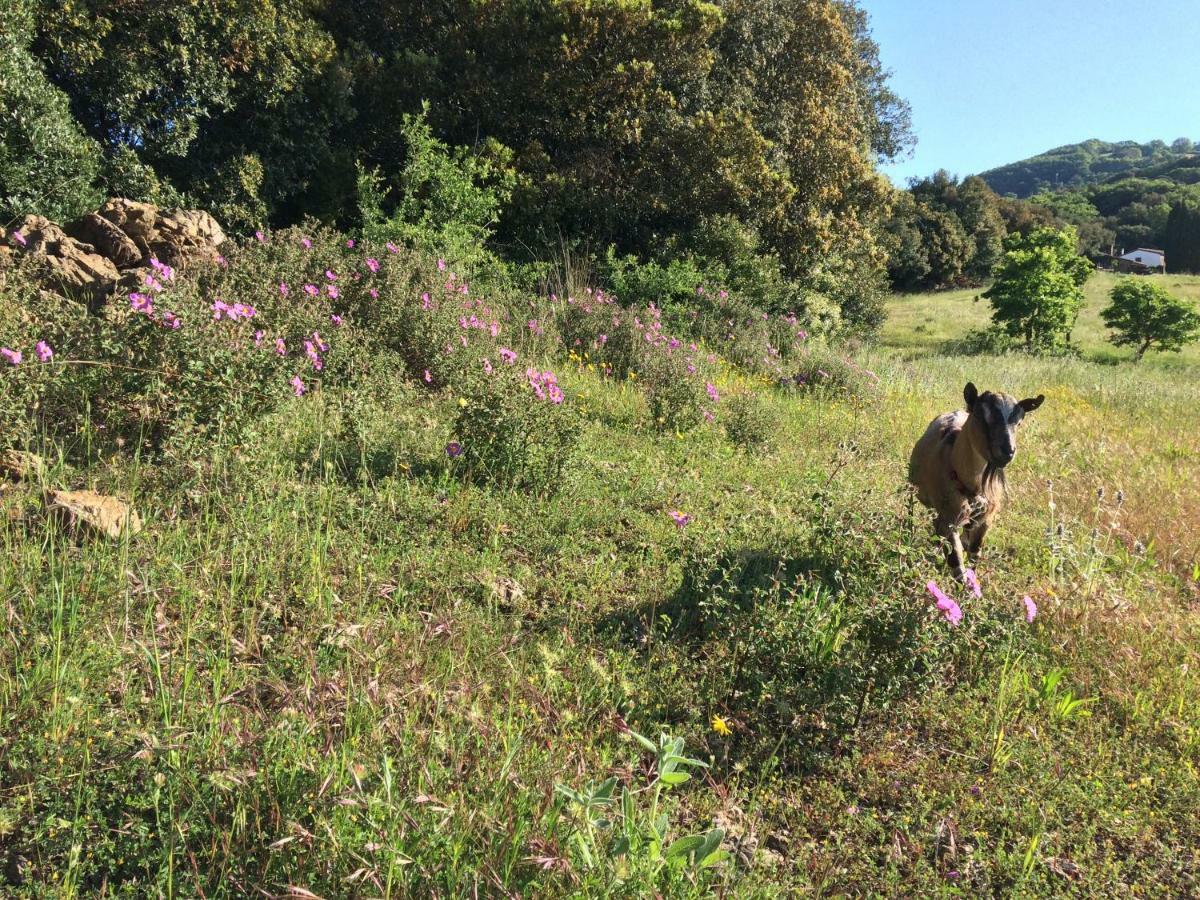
[(515, 428)]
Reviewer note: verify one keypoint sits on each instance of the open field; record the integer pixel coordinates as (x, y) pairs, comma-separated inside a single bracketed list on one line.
[(919, 322), (330, 666)]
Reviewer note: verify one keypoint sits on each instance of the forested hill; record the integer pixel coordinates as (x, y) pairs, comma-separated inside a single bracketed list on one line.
[(1093, 162)]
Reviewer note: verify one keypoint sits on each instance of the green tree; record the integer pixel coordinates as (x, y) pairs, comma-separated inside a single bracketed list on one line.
[(47, 164), (1144, 315), (1038, 290), (1182, 238)]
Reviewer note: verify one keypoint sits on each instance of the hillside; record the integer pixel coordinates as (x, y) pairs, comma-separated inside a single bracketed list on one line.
[(1093, 162), (448, 587)]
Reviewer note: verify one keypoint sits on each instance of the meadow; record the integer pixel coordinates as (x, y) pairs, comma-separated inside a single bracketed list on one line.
[(691, 660)]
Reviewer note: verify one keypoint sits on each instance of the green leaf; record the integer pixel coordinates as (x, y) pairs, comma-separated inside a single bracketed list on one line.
[(712, 842), (603, 793), (620, 846), (645, 742), (674, 778), (714, 858), (684, 846)]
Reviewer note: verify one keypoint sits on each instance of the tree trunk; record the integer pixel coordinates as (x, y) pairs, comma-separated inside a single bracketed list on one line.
[(1142, 350)]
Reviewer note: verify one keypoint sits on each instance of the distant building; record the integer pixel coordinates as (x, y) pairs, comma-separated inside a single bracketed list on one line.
[(1142, 261)]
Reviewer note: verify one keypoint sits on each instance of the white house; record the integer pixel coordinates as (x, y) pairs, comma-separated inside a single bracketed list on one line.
[(1141, 259)]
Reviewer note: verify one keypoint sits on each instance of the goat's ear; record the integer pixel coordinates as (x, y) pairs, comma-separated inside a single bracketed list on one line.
[(970, 395), (1032, 404)]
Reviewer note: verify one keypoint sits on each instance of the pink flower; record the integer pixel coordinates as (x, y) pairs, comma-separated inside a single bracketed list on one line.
[(330, 275), (13, 356), (392, 248), (507, 356), (802, 334), (297, 386), (283, 289), (350, 244), (425, 304), (170, 320), (222, 261), (333, 292), (43, 351), (534, 326), (1030, 608), (260, 237), (708, 416), (711, 390), (280, 347), (20, 239), (316, 336), (162, 269), (258, 338), (949, 608), (441, 265), (454, 449), (722, 294), (140, 303), (972, 582), (311, 352), (428, 377), (307, 243), (311, 290), (556, 394), (680, 518), (335, 321), (487, 366), (373, 264), (242, 311)]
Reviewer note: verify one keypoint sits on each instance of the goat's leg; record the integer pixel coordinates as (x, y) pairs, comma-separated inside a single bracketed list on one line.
[(949, 530), (977, 533)]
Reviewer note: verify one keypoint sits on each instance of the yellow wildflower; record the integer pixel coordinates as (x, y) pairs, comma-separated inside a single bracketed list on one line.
[(721, 727)]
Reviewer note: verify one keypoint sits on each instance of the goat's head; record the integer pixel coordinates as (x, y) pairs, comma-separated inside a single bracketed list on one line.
[(992, 424)]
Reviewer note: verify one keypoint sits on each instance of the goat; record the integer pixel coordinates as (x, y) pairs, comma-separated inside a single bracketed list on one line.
[(957, 467)]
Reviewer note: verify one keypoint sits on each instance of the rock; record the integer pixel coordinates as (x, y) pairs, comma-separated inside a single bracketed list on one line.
[(108, 239), (103, 515), (75, 268), (137, 220), (109, 250), (20, 465), (175, 237)]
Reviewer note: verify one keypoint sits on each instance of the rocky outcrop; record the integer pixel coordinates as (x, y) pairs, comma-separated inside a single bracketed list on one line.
[(111, 249)]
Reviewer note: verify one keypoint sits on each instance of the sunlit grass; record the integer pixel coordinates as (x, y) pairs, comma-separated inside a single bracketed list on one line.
[(330, 665)]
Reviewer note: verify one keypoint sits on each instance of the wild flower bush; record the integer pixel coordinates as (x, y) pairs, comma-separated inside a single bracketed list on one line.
[(514, 428), (749, 423), (823, 372)]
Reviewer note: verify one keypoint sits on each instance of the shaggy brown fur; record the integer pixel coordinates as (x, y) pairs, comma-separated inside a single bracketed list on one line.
[(957, 467)]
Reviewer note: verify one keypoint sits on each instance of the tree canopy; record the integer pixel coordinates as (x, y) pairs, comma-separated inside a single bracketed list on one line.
[(1144, 315), (1038, 290), (622, 123)]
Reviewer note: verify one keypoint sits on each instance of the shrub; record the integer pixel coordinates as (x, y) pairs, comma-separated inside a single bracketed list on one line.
[(824, 372), (673, 394), (185, 356), (749, 423), (514, 429), (47, 164), (1144, 315), (1038, 290)]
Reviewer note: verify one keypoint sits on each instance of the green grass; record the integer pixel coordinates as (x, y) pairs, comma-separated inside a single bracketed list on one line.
[(927, 321), (367, 680)]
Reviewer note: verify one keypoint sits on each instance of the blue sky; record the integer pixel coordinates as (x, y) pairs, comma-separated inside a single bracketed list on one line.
[(994, 82)]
